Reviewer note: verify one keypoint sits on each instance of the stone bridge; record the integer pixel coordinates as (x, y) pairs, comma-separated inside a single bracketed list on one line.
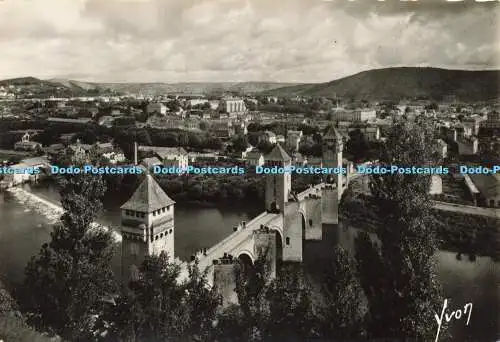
[(277, 235)]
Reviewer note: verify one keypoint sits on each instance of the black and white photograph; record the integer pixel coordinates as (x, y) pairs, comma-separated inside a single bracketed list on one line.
[(249, 170)]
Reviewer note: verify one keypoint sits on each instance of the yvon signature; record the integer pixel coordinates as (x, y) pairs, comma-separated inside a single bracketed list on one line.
[(457, 314)]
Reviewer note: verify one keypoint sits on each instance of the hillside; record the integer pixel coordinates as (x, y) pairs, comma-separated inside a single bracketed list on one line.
[(31, 87), (193, 87), (60, 86), (404, 82), (73, 84)]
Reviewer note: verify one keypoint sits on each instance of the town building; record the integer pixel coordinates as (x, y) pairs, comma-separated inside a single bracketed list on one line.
[(149, 162), (370, 133), (108, 152), (489, 188), (467, 146), (355, 115), (442, 148), (77, 152), (79, 121), (493, 121), (26, 145), (173, 157), (254, 158), (197, 102), (232, 106), (10, 180), (106, 121), (168, 156), (267, 137), (436, 185), (156, 108), (222, 129), (293, 139)]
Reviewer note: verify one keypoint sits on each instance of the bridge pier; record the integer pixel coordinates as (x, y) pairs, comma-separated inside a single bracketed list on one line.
[(330, 205), (314, 220), (293, 232), (265, 248), (225, 280)]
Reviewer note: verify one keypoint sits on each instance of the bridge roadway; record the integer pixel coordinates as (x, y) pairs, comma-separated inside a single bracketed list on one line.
[(238, 239), (467, 209), (243, 235)]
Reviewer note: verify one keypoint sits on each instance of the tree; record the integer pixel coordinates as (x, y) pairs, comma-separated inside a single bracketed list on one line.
[(156, 307), (12, 324), (152, 309), (357, 145), (342, 314), (398, 277), (201, 304), (66, 282), (174, 105), (251, 286), (269, 309), (240, 143), (291, 313)]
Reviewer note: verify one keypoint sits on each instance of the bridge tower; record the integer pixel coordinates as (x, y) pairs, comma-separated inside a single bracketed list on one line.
[(332, 158), (147, 225), (279, 184), (333, 146)]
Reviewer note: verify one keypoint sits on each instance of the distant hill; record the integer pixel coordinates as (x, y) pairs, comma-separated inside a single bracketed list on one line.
[(193, 87), (379, 84), (404, 82), (147, 88), (31, 87), (73, 84), (26, 81)]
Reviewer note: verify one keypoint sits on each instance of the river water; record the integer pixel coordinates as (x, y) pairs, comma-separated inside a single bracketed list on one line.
[(23, 230)]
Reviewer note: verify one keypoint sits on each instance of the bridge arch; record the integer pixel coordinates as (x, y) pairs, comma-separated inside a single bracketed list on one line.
[(279, 246), (246, 261), (303, 224), (246, 257)]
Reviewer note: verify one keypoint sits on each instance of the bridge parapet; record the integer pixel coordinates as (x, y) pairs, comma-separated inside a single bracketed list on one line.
[(240, 239), (313, 190), (224, 276)]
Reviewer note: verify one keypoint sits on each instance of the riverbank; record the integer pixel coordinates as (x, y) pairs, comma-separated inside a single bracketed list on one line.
[(461, 233), (50, 210)]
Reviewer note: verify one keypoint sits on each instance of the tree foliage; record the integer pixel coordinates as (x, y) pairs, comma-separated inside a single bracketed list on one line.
[(66, 282), (357, 145), (156, 307), (291, 316), (342, 314), (277, 309), (398, 276)]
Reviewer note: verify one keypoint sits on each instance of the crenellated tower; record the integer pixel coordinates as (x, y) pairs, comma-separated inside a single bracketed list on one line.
[(147, 226), (333, 146), (278, 185)]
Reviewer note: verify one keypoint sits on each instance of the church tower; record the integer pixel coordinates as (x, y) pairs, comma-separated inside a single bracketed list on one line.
[(278, 185), (147, 226), (333, 146)]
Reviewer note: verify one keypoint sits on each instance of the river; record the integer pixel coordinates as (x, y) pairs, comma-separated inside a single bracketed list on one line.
[(23, 230)]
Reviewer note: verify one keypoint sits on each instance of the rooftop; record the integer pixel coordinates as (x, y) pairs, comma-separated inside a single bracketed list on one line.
[(488, 185), (148, 197), (333, 133), (278, 154)]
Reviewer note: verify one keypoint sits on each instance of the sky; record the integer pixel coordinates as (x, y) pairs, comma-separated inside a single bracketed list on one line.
[(241, 40)]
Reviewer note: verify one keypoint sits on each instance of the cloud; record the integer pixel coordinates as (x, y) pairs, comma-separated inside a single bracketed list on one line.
[(240, 40)]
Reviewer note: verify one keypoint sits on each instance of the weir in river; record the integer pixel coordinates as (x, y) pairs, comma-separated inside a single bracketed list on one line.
[(50, 210)]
